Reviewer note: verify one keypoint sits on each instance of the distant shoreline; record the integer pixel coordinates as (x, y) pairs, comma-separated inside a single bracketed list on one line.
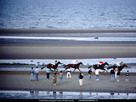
[(46, 30)]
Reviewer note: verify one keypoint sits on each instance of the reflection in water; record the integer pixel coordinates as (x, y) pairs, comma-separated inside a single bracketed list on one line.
[(127, 94), (81, 95), (54, 94), (61, 94), (48, 92), (64, 95), (112, 95)]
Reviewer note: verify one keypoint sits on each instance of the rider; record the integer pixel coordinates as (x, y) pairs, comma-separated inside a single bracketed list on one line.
[(120, 63), (100, 63), (75, 61), (54, 63)]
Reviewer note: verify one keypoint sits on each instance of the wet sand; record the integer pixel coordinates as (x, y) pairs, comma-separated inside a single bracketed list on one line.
[(66, 51), (14, 80), (66, 30)]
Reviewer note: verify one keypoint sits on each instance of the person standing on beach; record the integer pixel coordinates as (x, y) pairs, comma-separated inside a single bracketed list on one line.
[(116, 71), (127, 74), (36, 73), (89, 73), (118, 75), (61, 76), (68, 73), (54, 79), (32, 74), (97, 71), (81, 76), (48, 70), (112, 75)]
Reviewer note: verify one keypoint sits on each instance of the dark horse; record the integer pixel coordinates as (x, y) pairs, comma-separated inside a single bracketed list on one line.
[(97, 66), (75, 66), (51, 66), (118, 67)]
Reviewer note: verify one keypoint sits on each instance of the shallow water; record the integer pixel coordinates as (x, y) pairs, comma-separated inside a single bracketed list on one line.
[(40, 62), (72, 38), (63, 95)]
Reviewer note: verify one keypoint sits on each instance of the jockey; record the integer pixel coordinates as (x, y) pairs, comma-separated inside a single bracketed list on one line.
[(119, 63), (100, 62), (75, 61), (55, 62)]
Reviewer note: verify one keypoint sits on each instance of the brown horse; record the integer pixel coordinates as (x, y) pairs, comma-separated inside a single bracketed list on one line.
[(52, 66), (119, 67), (75, 66), (97, 66)]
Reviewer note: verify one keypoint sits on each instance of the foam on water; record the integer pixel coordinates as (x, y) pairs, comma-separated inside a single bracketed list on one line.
[(73, 38), (67, 61)]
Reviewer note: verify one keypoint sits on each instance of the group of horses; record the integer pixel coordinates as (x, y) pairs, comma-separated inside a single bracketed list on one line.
[(77, 66)]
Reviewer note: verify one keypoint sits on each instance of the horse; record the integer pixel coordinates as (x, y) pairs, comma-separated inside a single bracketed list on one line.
[(53, 66), (98, 66), (75, 66), (118, 67)]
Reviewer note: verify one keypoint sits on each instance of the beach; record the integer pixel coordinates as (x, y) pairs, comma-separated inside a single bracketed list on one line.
[(64, 49), (67, 43), (37, 32), (19, 80), (66, 52)]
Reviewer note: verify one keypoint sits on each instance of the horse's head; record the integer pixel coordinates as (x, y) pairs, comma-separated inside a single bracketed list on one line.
[(106, 63), (80, 63), (125, 65), (59, 62)]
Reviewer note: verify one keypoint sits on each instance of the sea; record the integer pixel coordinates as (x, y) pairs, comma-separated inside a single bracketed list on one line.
[(71, 14)]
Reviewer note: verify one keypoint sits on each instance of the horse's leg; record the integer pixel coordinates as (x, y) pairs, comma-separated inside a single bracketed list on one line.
[(79, 70), (105, 70), (57, 70), (74, 70), (51, 69)]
